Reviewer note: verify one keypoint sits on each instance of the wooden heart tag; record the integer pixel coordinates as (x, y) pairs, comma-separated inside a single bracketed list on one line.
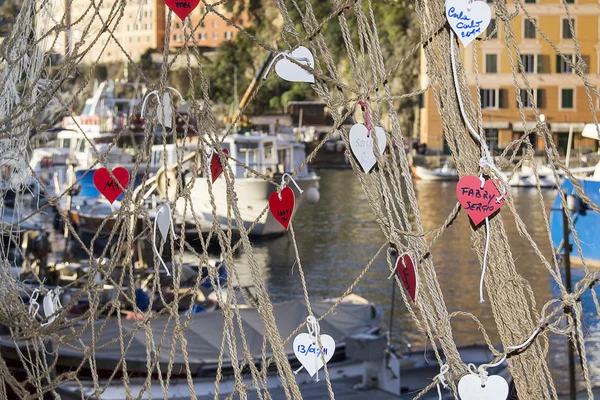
[(216, 169), (182, 8), (282, 208), (407, 273), (107, 185), (478, 201)]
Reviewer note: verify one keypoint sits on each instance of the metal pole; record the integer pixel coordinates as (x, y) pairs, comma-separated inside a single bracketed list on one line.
[(569, 144), (567, 260)]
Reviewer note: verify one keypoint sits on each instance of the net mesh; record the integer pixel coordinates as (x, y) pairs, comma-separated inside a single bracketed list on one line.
[(160, 341)]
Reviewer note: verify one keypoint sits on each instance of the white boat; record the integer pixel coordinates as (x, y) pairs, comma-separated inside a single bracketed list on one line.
[(268, 155), (445, 173), (526, 178)]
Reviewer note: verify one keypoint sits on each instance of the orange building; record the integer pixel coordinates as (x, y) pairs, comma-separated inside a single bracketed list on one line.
[(212, 30), (558, 92)]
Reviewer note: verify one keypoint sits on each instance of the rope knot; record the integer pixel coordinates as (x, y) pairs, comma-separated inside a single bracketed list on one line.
[(569, 300), (53, 201), (441, 376)]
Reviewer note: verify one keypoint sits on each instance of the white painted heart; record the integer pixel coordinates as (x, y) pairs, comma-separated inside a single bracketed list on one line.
[(308, 353), (471, 388), (289, 71), (468, 20), (166, 105), (362, 145), (163, 220)]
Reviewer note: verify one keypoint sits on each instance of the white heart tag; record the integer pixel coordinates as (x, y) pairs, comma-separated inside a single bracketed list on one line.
[(166, 104), (163, 220), (291, 72), (308, 353), (362, 145), (468, 21), (470, 388)]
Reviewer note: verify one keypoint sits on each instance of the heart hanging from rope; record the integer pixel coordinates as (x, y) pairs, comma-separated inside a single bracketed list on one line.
[(407, 273), (107, 185), (479, 201), (282, 206), (182, 8), (216, 169)]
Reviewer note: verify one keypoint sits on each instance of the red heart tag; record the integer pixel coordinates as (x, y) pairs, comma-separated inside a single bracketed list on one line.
[(182, 8), (107, 185), (282, 209), (216, 169), (405, 268), (479, 202)]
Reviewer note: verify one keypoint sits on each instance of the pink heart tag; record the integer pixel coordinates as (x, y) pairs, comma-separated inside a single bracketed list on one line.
[(282, 209), (107, 185), (182, 8), (216, 169), (407, 272), (479, 202)]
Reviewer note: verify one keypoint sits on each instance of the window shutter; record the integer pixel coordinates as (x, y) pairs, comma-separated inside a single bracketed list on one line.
[(540, 98), (502, 98), (558, 64), (586, 59)]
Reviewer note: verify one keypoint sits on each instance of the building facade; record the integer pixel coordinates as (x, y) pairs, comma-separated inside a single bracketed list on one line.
[(141, 27), (211, 31), (558, 92)]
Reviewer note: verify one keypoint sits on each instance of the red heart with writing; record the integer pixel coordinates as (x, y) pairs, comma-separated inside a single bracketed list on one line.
[(282, 206), (182, 8), (407, 273), (478, 201), (216, 169), (107, 185)]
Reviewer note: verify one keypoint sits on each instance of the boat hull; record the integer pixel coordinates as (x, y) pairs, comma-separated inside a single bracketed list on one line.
[(586, 223), (252, 198), (434, 175)]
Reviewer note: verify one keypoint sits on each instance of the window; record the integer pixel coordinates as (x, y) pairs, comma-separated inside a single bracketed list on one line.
[(566, 28), (567, 98), (528, 61), (177, 37), (488, 98), (491, 63), (526, 98), (215, 24), (228, 35), (492, 32), (229, 7), (202, 24), (177, 25), (570, 1), (529, 1), (562, 66), (491, 137), (215, 35), (528, 29), (203, 36)]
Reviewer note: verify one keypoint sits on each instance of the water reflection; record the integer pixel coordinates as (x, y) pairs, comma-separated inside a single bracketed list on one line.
[(338, 236)]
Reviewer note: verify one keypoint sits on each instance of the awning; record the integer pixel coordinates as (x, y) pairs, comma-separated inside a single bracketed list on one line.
[(566, 126), (519, 126), (591, 131), (495, 125)]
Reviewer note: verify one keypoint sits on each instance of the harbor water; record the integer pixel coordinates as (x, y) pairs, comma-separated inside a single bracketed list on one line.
[(338, 236)]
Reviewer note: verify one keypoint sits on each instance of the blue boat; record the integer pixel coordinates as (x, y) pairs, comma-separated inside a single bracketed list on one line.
[(586, 222)]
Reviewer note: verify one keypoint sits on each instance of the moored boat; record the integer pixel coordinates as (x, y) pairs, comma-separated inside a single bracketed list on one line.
[(445, 173)]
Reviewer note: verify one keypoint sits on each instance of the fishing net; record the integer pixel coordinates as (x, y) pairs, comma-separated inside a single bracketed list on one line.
[(155, 345)]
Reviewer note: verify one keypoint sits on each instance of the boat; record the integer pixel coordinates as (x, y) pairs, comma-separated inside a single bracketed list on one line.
[(269, 155), (445, 173), (525, 177), (362, 355), (585, 220)]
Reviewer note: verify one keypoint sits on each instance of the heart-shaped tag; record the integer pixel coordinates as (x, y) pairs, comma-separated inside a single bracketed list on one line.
[(291, 72), (309, 354), (163, 220), (282, 208), (216, 169), (468, 20), (182, 8), (106, 184), (479, 202), (471, 388), (167, 120), (407, 272), (361, 144)]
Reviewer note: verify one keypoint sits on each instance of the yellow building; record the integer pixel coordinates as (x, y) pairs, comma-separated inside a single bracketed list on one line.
[(558, 93)]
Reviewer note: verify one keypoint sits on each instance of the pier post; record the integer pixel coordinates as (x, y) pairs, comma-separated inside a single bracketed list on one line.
[(567, 261)]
